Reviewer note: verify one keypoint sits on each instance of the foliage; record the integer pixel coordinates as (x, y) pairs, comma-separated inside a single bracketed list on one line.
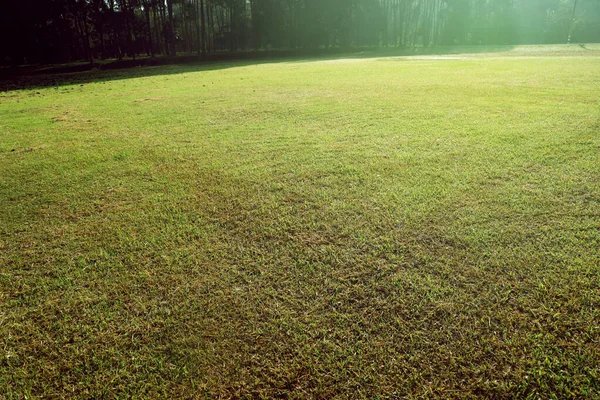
[(68, 30)]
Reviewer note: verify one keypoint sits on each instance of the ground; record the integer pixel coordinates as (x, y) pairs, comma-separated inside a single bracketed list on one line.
[(364, 227)]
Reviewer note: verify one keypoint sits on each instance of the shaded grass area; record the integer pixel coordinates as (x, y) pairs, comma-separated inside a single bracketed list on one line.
[(252, 56), (360, 228), (43, 76)]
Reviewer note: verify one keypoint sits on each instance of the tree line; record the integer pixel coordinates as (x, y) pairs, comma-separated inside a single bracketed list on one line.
[(36, 31)]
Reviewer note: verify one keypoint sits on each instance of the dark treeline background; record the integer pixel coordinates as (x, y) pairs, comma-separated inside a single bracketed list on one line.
[(46, 31)]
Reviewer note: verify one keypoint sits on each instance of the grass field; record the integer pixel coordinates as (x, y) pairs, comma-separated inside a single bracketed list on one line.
[(370, 227)]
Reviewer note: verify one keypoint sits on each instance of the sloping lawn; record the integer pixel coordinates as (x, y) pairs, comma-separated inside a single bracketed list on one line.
[(385, 227)]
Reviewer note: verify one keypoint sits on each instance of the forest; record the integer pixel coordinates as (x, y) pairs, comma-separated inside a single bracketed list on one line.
[(52, 31)]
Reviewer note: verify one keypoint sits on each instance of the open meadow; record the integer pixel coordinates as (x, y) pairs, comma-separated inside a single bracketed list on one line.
[(371, 227)]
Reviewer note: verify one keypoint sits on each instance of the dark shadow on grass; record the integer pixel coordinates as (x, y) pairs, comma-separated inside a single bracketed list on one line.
[(36, 77)]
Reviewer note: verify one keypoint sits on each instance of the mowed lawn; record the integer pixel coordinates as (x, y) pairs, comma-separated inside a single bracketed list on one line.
[(375, 227)]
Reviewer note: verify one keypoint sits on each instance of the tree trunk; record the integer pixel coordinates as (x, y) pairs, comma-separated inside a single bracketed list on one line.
[(149, 29), (202, 27), (171, 30)]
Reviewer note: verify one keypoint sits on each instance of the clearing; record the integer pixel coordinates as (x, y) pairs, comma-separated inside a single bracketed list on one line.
[(388, 227)]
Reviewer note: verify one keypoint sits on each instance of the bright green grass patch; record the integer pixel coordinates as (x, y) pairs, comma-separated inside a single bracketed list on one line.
[(360, 228)]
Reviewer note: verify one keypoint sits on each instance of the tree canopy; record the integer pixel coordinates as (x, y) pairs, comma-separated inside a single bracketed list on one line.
[(66, 30)]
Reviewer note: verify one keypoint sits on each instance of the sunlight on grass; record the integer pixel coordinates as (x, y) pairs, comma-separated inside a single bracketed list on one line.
[(381, 227)]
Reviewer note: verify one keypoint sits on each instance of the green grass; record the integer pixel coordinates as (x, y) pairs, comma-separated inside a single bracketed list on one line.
[(387, 227)]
